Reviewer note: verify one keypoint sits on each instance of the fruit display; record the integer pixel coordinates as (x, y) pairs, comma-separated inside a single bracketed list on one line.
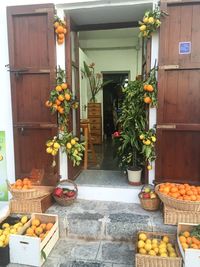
[(155, 246), (11, 226), (38, 229), (180, 191), (64, 192), (148, 192), (24, 183), (190, 239)]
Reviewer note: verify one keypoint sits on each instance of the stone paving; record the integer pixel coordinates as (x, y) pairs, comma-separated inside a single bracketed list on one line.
[(80, 253)]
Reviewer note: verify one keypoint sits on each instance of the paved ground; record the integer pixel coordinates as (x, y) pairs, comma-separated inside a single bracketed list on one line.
[(80, 253)]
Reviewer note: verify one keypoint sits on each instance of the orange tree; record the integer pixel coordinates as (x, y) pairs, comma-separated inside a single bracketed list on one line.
[(61, 102)]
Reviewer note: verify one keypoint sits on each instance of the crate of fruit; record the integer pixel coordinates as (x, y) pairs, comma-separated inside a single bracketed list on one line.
[(179, 196), (188, 236), (23, 189), (36, 241), (173, 216), (9, 225), (65, 193), (157, 249)]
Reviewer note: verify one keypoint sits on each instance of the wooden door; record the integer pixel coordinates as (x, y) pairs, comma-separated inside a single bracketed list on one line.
[(178, 122), (32, 73), (72, 76)]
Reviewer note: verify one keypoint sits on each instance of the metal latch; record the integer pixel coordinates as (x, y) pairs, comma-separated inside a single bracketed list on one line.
[(166, 126), (169, 67)]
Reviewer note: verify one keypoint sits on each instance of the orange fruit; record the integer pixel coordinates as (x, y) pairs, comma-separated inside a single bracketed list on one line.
[(67, 97), (30, 231), (43, 226), (58, 88), (49, 226), (145, 87), (180, 197), (26, 181), (58, 102), (61, 36), (185, 197), (33, 227), (182, 191), (174, 189), (195, 246), (55, 106), (175, 195), (184, 245), (149, 88), (193, 198), (189, 240), (38, 230), (60, 29), (147, 100), (64, 85), (182, 239), (19, 182), (61, 98), (60, 110), (195, 240), (60, 41), (166, 189), (65, 31), (18, 187), (48, 103), (181, 186), (25, 187), (186, 234), (35, 222), (189, 193)]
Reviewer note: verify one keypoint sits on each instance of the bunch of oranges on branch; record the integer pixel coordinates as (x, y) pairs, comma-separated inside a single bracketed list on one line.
[(60, 30)]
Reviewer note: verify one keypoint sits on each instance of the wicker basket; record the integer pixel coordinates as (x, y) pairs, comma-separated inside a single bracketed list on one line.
[(177, 203), (38, 205), (66, 201), (150, 204), (174, 216), (34, 192), (157, 261)]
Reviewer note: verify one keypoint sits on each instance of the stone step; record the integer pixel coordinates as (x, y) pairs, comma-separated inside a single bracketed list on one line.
[(104, 220), (81, 253)]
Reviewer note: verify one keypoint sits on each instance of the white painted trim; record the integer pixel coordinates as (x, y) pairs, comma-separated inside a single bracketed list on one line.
[(125, 195)]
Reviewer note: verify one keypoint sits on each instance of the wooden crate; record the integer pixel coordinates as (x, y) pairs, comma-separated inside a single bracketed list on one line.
[(31, 250), (157, 261), (38, 205), (173, 216), (191, 257)]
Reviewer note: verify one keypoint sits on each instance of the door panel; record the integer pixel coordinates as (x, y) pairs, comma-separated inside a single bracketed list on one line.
[(72, 75), (178, 120), (32, 73)]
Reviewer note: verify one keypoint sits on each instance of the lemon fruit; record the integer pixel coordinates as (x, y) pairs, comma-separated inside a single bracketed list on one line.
[(152, 253), (142, 236), (141, 244), (49, 150), (151, 20), (143, 28), (147, 247), (142, 251), (172, 255), (2, 238), (73, 141), (56, 145), (145, 20), (69, 146), (162, 250), (165, 239), (24, 220), (156, 250), (5, 225), (148, 241)]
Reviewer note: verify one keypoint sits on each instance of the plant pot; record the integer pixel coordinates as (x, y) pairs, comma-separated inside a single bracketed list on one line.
[(134, 176)]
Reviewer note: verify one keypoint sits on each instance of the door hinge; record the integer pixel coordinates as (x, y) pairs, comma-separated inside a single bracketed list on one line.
[(169, 67)]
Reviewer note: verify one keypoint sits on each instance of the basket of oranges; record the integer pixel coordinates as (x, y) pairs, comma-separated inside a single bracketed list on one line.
[(23, 189), (179, 196)]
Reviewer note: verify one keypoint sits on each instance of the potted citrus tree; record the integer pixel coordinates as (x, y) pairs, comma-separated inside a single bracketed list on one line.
[(132, 122)]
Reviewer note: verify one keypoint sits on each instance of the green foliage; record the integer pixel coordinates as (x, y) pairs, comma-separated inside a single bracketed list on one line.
[(95, 80), (132, 120)]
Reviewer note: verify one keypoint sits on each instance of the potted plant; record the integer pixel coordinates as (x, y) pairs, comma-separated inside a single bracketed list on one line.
[(132, 121), (95, 80)]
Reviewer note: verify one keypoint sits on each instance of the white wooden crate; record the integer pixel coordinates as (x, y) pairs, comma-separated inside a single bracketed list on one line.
[(31, 250), (191, 257)]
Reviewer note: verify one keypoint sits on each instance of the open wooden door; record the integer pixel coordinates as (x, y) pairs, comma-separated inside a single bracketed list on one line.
[(72, 77), (178, 123), (32, 73)]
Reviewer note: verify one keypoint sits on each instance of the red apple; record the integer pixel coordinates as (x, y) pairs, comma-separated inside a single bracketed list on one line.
[(146, 195)]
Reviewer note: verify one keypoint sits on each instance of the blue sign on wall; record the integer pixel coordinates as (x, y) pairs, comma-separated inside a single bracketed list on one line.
[(184, 48)]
